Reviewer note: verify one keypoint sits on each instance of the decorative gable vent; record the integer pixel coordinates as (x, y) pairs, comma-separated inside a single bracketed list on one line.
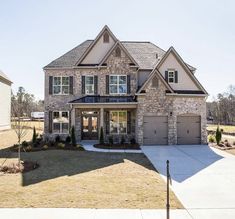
[(155, 82), (118, 52), (156, 56), (106, 37)]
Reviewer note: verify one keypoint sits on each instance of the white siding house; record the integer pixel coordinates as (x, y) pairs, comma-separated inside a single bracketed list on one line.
[(5, 102)]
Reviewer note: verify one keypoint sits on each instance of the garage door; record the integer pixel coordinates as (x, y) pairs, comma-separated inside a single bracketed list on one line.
[(189, 129), (155, 130)]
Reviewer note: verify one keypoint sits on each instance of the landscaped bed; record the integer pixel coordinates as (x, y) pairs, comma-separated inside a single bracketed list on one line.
[(118, 146), (81, 179)]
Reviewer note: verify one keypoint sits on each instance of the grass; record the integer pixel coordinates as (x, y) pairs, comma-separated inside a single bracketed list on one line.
[(85, 180), (226, 128), (9, 138)]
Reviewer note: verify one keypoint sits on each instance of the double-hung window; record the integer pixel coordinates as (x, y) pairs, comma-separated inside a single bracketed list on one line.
[(118, 84), (60, 122), (118, 122), (61, 85), (89, 84), (171, 76)]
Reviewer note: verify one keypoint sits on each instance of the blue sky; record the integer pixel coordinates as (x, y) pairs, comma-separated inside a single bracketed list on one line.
[(33, 33)]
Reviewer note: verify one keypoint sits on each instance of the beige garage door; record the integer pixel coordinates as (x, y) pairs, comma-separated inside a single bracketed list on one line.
[(155, 130), (189, 129)]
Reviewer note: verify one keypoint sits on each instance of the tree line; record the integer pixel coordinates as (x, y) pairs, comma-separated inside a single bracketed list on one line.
[(222, 109)]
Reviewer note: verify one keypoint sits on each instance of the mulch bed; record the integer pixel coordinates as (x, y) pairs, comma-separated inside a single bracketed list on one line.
[(118, 146), (25, 166), (221, 146)]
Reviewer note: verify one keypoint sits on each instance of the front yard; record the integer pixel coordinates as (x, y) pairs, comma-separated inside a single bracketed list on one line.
[(83, 179)]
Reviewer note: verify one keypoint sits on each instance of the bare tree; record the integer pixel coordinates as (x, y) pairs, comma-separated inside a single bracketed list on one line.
[(19, 124)]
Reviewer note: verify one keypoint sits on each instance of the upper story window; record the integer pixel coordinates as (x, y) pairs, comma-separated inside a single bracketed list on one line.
[(61, 85), (89, 84), (106, 37), (171, 76), (118, 84), (60, 122)]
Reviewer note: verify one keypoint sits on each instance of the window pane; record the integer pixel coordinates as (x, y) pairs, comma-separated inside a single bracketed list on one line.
[(122, 89), (122, 80), (89, 89), (65, 81), (57, 81), (122, 116), (56, 89), (113, 80), (65, 117), (171, 74), (89, 80), (65, 89), (56, 127), (65, 127), (56, 116), (122, 127), (113, 89)]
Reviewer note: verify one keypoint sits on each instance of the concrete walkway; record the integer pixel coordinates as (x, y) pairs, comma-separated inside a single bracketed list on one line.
[(88, 145), (72, 213), (203, 178)]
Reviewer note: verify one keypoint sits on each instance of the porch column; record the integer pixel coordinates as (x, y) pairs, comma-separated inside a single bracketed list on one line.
[(102, 117), (73, 117)]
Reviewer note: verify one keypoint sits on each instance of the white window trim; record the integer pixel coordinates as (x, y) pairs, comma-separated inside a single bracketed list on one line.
[(117, 84), (93, 86), (115, 111), (60, 115), (61, 77), (171, 71)]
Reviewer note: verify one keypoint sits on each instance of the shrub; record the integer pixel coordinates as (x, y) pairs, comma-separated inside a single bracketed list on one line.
[(61, 145), (68, 139), (133, 141), (211, 138), (225, 140), (80, 147), (218, 135), (227, 144), (73, 137), (57, 138), (101, 135), (29, 148), (123, 140), (234, 143), (34, 138), (45, 147), (25, 143), (110, 139)]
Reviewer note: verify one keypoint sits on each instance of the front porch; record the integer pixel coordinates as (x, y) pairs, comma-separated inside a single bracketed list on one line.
[(117, 116)]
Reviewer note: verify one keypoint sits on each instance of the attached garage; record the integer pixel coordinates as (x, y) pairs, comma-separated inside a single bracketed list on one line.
[(189, 129), (155, 130)]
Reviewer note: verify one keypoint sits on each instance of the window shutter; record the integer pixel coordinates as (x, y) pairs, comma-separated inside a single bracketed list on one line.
[(107, 122), (50, 122), (50, 84), (128, 84), (166, 76), (83, 84), (107, 84), (95, 84), (71, 84), (176, 76), (128, 122)]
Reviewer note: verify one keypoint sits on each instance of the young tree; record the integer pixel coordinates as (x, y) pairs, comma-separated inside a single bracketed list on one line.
[(73, 137), (34, 139), (101, 135), (19, 124), (218, 135)]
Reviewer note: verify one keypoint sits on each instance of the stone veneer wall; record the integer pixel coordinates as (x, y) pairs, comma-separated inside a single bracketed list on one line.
[(115, 65), (156, 103)]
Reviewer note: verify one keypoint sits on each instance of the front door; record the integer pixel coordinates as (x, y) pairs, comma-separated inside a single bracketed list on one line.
[(89, 127)]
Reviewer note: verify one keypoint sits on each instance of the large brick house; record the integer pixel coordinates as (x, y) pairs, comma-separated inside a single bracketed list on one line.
[(131, 89)]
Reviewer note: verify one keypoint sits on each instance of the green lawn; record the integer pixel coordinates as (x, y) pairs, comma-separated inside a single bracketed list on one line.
[(226, 128)]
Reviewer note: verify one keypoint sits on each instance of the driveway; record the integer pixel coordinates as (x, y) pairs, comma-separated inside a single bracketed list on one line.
[(203, 178)]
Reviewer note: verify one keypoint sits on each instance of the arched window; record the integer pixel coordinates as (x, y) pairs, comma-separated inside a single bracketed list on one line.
[(106, 37), (118, 52)]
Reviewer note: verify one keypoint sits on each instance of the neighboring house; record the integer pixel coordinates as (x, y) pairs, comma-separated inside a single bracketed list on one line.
[(131, 89), (5, 102)]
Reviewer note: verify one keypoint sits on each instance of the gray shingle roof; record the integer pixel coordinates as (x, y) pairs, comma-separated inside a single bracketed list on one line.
[(144, 53), (4, 76)]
